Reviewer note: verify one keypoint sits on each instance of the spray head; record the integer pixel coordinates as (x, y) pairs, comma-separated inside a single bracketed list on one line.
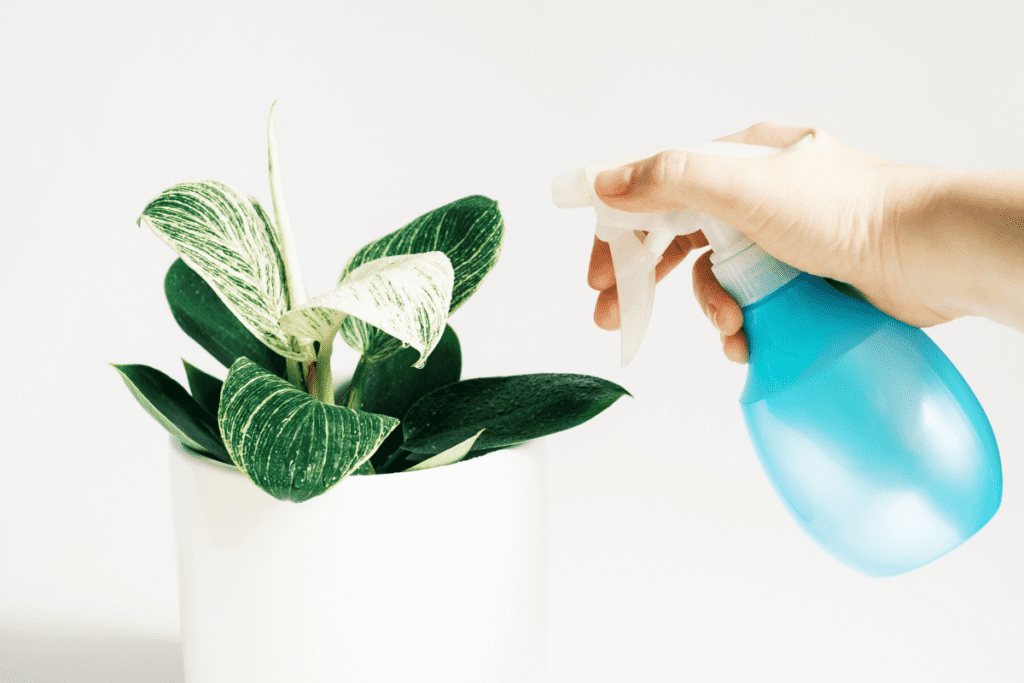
[(634, 255)]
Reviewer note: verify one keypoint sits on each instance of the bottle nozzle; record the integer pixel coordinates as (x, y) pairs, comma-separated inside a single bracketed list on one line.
[(635, 257), (571, 190)]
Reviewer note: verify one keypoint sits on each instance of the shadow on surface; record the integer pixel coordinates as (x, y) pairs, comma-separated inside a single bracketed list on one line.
[(52, 651)]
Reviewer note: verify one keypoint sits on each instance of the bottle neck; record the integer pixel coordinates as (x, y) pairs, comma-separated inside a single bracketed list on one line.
[(752, 274), (799, 329)]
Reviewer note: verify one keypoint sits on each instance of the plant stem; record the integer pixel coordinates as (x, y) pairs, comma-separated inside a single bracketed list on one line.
[(354, 398), (323, 383), (294, 368), (393, 458)]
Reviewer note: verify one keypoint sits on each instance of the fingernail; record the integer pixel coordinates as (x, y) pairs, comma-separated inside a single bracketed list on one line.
[(614, 182)]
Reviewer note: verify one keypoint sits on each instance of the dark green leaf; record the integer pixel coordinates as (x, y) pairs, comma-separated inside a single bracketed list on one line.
[(469, 232), (205, 388), (341, 390), (477, 453), (205, 318), (510, 409), (170, 404), (291, 445), (400, 460), (410, 458), (393, 385)]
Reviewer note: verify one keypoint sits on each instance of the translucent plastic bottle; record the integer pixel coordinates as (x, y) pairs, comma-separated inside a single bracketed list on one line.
[(868, 433)]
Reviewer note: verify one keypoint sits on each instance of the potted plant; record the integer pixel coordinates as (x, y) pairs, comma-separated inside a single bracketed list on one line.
[(434, 571)]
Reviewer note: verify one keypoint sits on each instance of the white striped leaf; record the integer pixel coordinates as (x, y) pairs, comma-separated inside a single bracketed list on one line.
[(405, 296), (297, 290), (287, 442), (468, 231), (226, 237), (448, 457)]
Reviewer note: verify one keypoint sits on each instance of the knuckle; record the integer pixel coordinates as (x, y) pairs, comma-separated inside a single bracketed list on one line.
[(775, 135), (668, 166), (759, 131)]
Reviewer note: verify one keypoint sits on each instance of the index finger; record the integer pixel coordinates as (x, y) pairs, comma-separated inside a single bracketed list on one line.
[(601, 275)]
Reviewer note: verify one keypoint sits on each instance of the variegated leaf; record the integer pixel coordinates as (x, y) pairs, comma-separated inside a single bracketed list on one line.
[(448, 457), (405, 296), (468, 231), (226, 237), (202, 315), (291, 445), (297, 290)]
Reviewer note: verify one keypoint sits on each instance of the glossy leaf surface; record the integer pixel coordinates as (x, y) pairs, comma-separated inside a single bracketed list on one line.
[(291, 445), (468, 231), (203, 316), (448, 457), (205, 388), (405, 296), (171, 406), (510, 409), (393, 385), (226, 237)]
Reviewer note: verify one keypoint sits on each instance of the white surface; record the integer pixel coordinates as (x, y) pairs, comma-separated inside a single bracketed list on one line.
[(435, 576), (670, 557)]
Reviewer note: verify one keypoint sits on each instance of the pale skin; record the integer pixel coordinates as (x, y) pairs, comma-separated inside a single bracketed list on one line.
[(925, 245)]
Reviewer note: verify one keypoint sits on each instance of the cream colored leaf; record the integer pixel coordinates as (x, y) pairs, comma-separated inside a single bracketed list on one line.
[(226, 237), (448, 457), (406, 296)]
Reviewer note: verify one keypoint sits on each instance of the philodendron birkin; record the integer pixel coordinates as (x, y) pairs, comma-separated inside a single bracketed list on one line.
[(237, 290)]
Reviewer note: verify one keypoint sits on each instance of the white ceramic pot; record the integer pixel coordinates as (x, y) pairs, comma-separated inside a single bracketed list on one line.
[(433, 575)]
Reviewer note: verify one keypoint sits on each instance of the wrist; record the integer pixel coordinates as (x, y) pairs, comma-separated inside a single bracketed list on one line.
[(928, 265), (970, 244)]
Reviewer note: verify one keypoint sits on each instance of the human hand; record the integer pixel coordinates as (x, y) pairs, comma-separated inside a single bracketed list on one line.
[(823, 208)]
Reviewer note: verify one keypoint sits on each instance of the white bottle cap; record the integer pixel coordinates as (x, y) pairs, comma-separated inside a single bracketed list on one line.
[(571, 190)]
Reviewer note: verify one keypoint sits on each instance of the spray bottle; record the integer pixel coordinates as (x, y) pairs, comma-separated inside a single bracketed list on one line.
[(869, 435)]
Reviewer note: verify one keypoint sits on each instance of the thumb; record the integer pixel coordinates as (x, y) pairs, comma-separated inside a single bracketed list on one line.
[(732, 189), (725, 187)]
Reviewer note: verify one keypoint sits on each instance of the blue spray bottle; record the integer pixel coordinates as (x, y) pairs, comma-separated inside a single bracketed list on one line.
[(868, 433)]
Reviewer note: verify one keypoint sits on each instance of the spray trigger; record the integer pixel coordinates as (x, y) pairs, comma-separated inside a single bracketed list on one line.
[(634, 254)]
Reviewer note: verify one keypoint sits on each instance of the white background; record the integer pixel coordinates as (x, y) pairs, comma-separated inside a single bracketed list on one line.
[(671, 559)]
